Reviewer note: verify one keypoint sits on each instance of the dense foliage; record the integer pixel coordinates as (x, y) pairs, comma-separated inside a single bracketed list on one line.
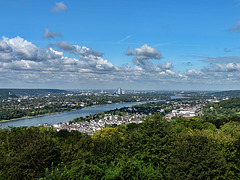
[(231, 93), (223, 108), (155, 149)]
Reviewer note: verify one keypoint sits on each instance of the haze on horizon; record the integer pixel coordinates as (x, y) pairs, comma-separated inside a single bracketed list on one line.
[(141, 45)]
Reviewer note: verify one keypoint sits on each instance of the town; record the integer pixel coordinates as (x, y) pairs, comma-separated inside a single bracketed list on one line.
[(15, 104), (170, 109), (93, 125)]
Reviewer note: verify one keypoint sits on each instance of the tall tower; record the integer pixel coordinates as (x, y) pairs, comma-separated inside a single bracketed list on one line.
[(119, 91)]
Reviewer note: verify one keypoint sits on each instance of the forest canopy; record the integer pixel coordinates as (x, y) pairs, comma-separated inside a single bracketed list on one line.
[(155, 149)]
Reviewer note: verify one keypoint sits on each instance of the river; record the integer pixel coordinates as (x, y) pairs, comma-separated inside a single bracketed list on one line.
[(65, 116), (69, 115)]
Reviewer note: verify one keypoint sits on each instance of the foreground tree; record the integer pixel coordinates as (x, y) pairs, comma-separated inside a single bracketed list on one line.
[(198, 156)]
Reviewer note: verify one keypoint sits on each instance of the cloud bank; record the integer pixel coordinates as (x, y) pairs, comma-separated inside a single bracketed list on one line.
[(35, 65)]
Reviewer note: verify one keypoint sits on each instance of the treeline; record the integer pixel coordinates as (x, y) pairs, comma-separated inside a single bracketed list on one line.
[(231, 93), (155, 149)]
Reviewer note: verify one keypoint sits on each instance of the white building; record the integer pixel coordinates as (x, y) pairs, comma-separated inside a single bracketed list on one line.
[(119, 91)]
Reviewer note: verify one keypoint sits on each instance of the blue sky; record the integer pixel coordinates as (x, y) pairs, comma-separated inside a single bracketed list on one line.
[(105, 44)]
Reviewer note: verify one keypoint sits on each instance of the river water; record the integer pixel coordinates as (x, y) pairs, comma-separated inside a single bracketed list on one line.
[(65, 116)]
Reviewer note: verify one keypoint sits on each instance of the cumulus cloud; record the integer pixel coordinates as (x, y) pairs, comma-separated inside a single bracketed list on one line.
[(219, 69), (91, 58), (145, 52), (19, 54), (59, 7), (23, 65), (4, 47), (142, 56), (167, 65), (49, 34), (78, 50), (29, 61), (229, 67), (33, 63), (163, 67), (18, 48), (194, 73)]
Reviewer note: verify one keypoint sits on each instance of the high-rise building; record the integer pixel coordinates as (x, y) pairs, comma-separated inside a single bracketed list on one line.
[(119, 91), (123, 91)]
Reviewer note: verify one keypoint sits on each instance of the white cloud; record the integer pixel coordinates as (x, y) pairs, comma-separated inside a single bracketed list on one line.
[(145, 52), (163, 67), (23, 65), (52, 54), (75, 49), (142, 56), (49, 65), (59, 7), (229, 67), (18, 48), (93, 59), (194, 73)]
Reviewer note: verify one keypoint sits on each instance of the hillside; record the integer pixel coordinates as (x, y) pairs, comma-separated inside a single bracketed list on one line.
[(231, 93)]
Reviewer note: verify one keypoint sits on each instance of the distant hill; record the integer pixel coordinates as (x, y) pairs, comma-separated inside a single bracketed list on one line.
[(12, 92), (231, 93)]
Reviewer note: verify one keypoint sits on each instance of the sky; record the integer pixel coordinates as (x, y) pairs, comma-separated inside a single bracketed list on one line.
[(132, 44)]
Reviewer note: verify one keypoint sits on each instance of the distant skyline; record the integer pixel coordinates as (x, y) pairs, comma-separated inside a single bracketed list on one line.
[(132, 44)]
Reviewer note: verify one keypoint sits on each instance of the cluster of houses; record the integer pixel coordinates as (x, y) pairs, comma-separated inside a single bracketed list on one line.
[(94, 125), (186, 112), (179, 109)]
